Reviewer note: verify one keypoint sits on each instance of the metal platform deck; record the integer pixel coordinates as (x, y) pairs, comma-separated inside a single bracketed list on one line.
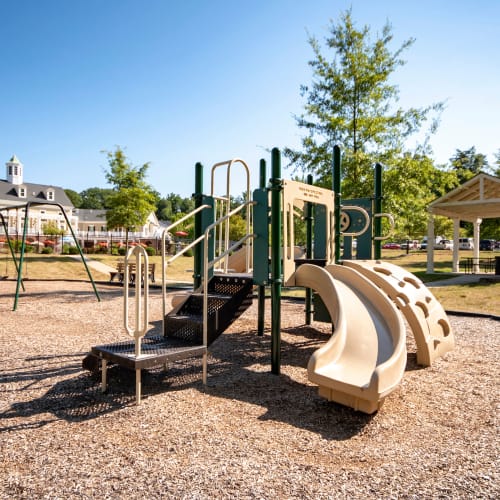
[(155, 351)]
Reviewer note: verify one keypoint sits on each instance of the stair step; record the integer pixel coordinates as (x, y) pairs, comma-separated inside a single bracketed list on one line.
[(211, 296), (186, 317)]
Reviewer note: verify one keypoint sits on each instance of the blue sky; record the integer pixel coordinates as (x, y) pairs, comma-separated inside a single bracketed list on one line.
[(179, 82)]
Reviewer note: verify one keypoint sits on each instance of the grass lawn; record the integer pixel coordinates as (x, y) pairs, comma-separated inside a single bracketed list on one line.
[(471, 298)]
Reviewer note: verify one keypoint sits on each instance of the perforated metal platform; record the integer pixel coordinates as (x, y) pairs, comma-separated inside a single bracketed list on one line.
[(155, 351)]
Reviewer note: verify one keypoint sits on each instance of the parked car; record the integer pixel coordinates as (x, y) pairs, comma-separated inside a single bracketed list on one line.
[(391, 246), (444, 245), (465, 244), (487, 245), (410, 244)]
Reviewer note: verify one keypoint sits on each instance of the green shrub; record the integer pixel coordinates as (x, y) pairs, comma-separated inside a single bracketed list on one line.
[(150, 251), (122, 251), (73, 250), (188, 253), (47, 250)]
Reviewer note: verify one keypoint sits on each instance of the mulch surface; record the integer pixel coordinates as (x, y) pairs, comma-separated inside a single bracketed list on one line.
[(248, 433)]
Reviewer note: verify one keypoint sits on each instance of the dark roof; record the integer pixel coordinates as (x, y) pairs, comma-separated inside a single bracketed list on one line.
[(90, 214), (34, 192)]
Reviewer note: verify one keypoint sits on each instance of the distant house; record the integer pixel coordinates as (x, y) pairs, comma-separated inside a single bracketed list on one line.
[(92, 222), (87, 224), (14, 192)]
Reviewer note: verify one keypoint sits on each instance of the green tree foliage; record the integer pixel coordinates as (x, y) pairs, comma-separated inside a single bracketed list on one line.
[(352, 102), (132, 199), (95, 198), (468, 163), (497, 163), (74, 197), (172, 204), (51, 228)]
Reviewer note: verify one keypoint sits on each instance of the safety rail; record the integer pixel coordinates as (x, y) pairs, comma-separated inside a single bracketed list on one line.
[(165, 262), (209, 265), (141, 312), (225, 204), (391, 223), (365, 215)]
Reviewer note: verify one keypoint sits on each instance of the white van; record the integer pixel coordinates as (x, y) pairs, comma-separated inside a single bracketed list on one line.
[(465, 243)]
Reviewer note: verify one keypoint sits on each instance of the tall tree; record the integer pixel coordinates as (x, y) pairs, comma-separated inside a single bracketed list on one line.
[(468, 163), (351, 101), (95, 198), (132, 200), (172, 204), (74, 197)]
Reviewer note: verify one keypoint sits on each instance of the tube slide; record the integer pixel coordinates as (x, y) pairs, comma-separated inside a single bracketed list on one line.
[(425, 315), (365, 358)]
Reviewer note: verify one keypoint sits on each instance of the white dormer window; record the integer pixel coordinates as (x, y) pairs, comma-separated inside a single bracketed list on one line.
[(50, 195), (22, 192)]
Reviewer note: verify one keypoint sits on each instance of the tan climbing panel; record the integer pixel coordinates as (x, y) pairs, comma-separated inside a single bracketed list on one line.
[(425, 315)]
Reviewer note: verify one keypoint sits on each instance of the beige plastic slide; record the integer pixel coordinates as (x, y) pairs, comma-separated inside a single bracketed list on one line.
[(365, 358), (425, 315)]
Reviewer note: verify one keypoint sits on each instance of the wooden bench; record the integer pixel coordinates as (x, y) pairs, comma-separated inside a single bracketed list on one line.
[(120, 272)]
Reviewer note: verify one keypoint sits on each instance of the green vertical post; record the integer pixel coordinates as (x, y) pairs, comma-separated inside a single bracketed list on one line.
[(11, 248), (198, 201), (89, 274), (337, 171), (21, 257), (262, 288), (377, 209), (309, 226), (276, 250)]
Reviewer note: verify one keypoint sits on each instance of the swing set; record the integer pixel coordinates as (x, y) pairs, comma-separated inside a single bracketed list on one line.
[(19, 263)]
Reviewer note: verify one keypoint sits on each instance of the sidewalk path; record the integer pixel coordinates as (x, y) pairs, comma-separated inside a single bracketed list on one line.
[(95, 264), (462, 279)]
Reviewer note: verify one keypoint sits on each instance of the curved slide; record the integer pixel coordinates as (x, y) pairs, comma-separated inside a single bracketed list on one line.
[(425, 315), (365, 358)]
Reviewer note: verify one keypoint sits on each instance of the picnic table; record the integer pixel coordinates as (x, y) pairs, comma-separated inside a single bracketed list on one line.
[(132, 271)]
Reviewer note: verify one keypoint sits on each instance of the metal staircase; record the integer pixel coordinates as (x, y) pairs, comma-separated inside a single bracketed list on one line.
[(228, 296)]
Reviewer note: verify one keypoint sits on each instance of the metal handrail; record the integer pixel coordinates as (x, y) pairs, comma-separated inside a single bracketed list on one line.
[(209, 265), (227, 198), (164, 262), (141, 315), (364, 213), (391, 222)]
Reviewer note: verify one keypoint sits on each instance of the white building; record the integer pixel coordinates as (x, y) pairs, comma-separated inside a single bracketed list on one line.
[(47, 204)]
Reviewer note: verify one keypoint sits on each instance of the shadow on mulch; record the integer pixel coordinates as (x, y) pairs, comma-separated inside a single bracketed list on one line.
[(239, 369)]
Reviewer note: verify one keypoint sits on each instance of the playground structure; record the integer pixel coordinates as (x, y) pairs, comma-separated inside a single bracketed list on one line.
[(364, 359)]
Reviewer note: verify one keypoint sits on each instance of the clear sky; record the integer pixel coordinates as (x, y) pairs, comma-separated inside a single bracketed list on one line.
[(176, 82)]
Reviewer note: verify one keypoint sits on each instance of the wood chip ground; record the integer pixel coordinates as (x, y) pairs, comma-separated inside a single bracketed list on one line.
[(248, 434)]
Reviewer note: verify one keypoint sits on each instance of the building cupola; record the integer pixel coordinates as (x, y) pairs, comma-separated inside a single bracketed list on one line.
[(14, 171)]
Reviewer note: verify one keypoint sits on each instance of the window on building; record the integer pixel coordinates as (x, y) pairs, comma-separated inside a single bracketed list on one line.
[(10, 169), (50, 195), (22, 192)]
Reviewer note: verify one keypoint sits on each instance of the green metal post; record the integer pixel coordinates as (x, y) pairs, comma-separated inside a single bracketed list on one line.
[(21, 257), (89, 274), (337, 170), (262, 288), (309, 225), (276, 250), (11, 248), (377, 209), (198, 201)]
